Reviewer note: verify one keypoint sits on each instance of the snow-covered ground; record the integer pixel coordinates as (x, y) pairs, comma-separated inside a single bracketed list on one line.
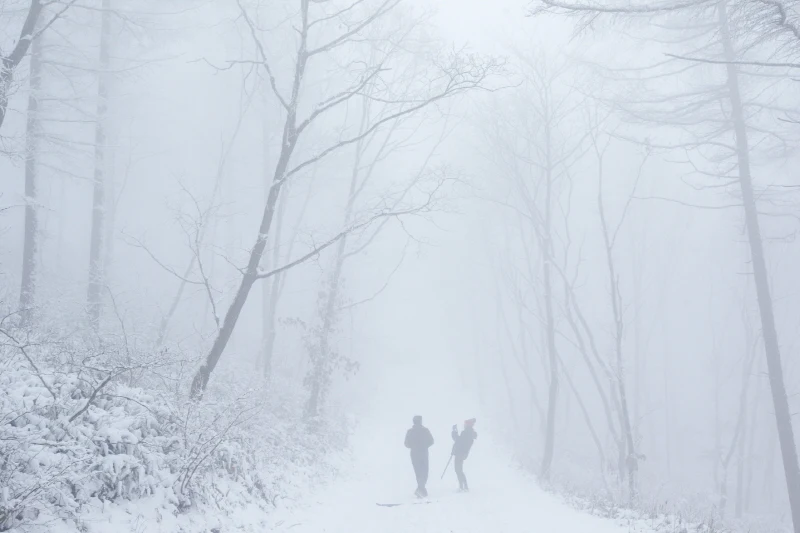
[(501, 500)]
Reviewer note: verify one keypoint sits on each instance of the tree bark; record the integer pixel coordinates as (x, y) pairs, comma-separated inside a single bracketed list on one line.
[(96, 276), (629, 460), (741, 420), (546, 241), (250, 275), (667, 375), (780, 402), (552, 396), (27, 293), (320, 373), (200, 381), (588, 419), (12, 60), (271, 295), (571, 303), (750, 454)]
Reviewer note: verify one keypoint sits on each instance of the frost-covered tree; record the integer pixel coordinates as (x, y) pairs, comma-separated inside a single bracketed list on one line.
[(325, 32)]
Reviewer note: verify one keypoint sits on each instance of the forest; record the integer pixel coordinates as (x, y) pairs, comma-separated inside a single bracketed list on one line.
[(244, 242)]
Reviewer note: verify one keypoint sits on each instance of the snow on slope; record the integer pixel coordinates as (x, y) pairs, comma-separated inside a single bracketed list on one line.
[(501, 500)]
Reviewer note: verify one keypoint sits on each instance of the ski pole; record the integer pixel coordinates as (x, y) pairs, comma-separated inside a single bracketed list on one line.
[(445, 466)]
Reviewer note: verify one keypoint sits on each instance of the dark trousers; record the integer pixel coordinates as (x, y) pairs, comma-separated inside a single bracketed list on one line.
[(420, 463), (462, 479)]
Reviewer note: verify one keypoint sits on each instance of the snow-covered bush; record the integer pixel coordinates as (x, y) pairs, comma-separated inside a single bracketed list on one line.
[(76, 435), (659, 509)]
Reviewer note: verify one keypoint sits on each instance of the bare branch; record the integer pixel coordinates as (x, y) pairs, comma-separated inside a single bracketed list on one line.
[(384, 8), (344, 233), (22, 348), (138, 244), (264, 61), (632, 9), (745, 63), (384, 286)]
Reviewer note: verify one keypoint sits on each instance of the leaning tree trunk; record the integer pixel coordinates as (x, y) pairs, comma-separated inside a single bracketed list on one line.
[(783, 417), (96, 250), (250, 274), (27, 293)]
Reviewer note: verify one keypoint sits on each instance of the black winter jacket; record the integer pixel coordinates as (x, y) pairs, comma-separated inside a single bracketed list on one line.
[(463, 443), (418, 440)]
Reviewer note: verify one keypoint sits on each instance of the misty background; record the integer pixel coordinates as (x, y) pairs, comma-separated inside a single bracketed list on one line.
[(460, 271)]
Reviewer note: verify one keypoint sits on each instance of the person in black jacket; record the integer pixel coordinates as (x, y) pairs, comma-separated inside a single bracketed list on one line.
[(461, 446), (418, 440)]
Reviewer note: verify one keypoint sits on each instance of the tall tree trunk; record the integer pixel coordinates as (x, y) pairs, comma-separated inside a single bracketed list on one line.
[(249, 277), (111, 208), (780, 402), (569, 297), (743, 439), (552, 396), (628, 458), (537, 414), (546, 240), (741, 420), (588, 419), (165, 320), (716, 421), (667, 377), (638, 356), (750, 455), (96, 277), (27, 293), (274, 289), (320, 371), (740, 464), (10, 62), (250, 274), (503, 370), (271, 295)]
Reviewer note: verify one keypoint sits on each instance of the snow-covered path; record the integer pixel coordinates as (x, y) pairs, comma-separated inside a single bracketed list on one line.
[(502, 500)]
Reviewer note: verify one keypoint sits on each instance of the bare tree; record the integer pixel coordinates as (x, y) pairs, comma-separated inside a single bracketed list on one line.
[(610, 234), (534, 149), (32, 27), (769, 331), (455, 74), (31, 230), (718, 46), (100, 179), (273, 287), (197, 235), (741, 420), (18, 53), (366, 165)]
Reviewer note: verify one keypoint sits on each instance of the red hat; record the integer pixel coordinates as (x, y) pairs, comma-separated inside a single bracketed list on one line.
[(469, 423)]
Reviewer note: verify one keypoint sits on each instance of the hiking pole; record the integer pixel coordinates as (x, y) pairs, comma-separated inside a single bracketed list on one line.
[(445, 466)]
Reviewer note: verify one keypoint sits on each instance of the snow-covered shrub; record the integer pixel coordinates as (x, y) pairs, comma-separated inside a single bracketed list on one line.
[(658, 509), (76, 436)]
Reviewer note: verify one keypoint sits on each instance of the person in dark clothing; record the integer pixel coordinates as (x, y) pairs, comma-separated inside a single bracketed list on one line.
[(418, 440), (461, 447)]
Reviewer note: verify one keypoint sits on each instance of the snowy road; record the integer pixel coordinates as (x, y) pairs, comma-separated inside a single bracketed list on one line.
[(502, 500)]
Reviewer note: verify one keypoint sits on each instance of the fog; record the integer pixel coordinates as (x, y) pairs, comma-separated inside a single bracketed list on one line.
[(278, 230)]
